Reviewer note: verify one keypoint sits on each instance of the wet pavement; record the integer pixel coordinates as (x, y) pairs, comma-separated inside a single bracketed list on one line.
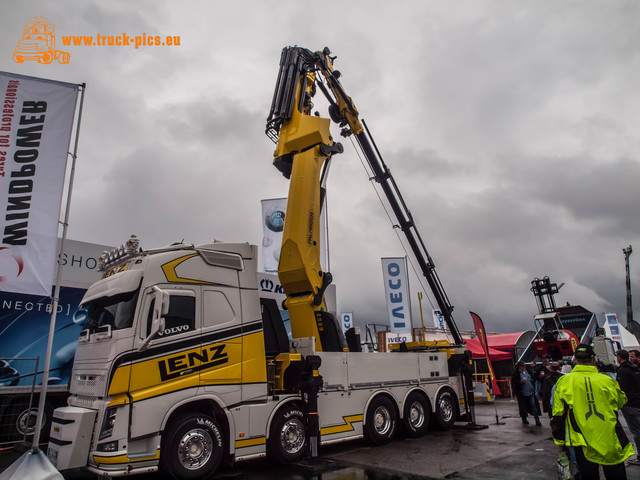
[(506, 449)]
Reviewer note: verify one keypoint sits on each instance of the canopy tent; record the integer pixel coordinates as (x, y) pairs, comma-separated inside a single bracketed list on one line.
[(477, 351), (504, 341)]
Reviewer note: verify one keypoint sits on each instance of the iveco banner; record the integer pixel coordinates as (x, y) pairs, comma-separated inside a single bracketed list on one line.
[(346, 320), (396, 288), (35, 128)]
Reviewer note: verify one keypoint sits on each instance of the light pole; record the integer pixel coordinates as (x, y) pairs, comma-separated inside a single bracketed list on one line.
[(627, 253)]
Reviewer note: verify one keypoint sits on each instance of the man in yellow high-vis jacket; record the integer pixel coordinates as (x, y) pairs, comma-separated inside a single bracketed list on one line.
[(585, 416)]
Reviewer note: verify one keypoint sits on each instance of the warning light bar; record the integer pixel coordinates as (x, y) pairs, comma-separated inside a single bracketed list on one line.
[(127, 250)]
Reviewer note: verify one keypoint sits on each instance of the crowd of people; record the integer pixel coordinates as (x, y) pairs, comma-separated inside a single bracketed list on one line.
[(583, 409)]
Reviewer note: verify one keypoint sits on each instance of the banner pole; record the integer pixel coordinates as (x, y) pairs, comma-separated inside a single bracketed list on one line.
[(56, 293)]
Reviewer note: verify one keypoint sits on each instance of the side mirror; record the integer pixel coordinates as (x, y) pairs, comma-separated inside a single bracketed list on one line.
[(160, 308)]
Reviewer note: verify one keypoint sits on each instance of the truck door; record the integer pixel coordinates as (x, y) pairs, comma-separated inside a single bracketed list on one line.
[(221, 337), (172, 359)]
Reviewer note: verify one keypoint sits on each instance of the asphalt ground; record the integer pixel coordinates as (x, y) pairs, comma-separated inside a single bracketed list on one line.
[(506, 449)]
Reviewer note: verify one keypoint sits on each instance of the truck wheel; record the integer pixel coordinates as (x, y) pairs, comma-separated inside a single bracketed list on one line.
[(192, 448), (18, 58), (288, 436), (446, 410), (381, 423), (45, 58), (23, 420), (417, 413), (63, 57)]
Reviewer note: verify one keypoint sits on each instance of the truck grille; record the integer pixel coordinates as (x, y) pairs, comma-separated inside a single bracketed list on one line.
[(84, 401), (89, 385)]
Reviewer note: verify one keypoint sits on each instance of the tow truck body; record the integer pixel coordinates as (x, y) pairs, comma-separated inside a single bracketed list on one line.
[(183, 365)]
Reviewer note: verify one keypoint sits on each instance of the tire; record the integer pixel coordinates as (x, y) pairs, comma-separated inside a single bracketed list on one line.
[(288, 436), (192, 448), (417, 415), (17, 58), (381, 421), (446, 410), (23, 420), (63, 57), (46, 58)]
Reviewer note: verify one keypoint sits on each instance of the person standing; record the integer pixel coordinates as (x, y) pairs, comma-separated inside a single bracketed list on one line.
[(539, 373), (628, 377), (524, 388), (634, 356), (585, 409), (550, 379)]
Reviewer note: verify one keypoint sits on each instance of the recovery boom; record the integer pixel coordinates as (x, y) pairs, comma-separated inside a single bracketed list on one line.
[(301, 71)]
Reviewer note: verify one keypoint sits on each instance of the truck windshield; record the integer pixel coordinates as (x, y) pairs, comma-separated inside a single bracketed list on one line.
[(116, 311)]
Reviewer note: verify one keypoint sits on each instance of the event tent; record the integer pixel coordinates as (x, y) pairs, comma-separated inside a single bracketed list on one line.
[(477, 351)]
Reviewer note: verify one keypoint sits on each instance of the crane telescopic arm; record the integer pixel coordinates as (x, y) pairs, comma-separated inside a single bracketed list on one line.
[(297, 82)]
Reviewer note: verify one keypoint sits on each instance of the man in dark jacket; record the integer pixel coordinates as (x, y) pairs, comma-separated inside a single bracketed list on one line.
[(628, 376), (549, 381), (524, 389), (539, 373), (634, 356)]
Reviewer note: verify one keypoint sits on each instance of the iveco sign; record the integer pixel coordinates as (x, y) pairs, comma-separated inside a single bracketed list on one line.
[(396, 288)]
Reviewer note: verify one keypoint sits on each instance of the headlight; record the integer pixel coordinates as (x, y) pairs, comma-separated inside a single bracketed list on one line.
[(108, 422), (108, 447)]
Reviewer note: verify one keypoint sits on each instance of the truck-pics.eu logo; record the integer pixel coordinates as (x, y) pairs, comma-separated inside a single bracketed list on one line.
[(38, 43)]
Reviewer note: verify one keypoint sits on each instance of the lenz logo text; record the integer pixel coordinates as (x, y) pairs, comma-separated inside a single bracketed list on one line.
[(182, 364)]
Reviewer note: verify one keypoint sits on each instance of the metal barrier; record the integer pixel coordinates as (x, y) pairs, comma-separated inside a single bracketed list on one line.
[(481, 386), (503, 384), (18, 399)]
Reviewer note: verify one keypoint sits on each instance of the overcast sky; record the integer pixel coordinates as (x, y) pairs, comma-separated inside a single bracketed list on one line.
[(511, 127)]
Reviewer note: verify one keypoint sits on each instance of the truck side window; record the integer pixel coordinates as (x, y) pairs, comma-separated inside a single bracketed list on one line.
[(181, 316), (217, 309)]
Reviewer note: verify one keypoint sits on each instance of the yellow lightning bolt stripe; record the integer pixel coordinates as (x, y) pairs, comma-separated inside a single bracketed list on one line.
[(251, 442), (169, 270), (346, 427)]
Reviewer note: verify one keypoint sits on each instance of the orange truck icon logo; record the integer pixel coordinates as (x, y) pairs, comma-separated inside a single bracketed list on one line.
[(38, 43)]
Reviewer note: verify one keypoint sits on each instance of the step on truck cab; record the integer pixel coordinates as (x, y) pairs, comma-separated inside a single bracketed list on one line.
[(182, 365)]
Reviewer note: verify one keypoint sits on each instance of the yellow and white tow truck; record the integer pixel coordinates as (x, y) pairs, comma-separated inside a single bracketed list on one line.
[(183, 365)]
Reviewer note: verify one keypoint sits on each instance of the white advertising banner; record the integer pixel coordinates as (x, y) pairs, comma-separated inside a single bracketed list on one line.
[(396, 289), (438, 320), (35, 130), (396, 338), (346, 320), (612, 327), (273, 214)]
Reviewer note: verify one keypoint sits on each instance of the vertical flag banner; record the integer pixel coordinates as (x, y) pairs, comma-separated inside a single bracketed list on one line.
[(438, 320), (396, 289), (346, 320), (482, 336), (36, 122), (273, 211)]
